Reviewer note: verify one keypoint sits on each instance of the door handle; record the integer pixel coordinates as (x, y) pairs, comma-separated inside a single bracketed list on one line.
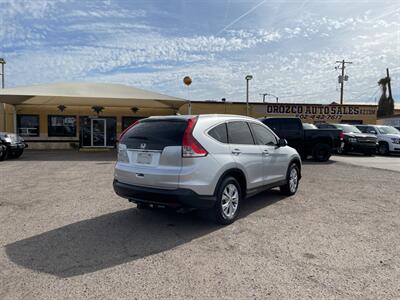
[(265, 152), (236, 151)]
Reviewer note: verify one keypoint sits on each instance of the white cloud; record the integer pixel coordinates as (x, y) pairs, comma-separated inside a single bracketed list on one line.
[(104, 42)]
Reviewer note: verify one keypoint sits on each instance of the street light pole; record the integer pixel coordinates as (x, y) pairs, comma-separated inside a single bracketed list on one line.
[(2, 106), (267, 94), (2, 62), (248, 78), (264, 94)]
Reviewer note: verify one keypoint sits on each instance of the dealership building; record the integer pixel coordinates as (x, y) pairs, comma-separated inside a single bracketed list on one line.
[(91, 115), (78, 115)]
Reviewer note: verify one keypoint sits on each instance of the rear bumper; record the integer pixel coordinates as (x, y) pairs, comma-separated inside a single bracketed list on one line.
[(173, 198)]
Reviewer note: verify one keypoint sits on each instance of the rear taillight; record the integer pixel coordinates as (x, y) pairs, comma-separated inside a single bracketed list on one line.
[(122, 153), (190, 146), (341, 135), (129, 127)]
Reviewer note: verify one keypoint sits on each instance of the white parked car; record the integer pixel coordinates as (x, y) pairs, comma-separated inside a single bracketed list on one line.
[(388, 137)]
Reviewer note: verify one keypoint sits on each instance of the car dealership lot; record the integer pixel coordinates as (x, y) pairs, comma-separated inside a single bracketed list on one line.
[(64, 233)]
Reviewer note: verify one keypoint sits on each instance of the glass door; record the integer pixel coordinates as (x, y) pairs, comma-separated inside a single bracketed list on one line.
[(99, 131)]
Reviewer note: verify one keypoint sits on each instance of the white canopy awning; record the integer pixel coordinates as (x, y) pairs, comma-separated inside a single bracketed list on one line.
[(88, 94)]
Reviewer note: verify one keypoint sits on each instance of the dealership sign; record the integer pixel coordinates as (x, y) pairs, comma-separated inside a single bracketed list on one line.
[(319, 111)]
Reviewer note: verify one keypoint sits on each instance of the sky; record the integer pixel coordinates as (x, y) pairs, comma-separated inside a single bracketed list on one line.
[(289, 47)]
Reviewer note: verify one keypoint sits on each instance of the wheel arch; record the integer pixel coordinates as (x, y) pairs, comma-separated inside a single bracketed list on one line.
[(296, 161), (238, 175), (383, 142)]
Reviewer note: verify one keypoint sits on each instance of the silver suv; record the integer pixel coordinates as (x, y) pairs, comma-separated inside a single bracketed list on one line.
[(207, 161)]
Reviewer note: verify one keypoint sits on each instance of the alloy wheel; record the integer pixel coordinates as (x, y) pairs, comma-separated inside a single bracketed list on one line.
[(230, 201), (293, 180)]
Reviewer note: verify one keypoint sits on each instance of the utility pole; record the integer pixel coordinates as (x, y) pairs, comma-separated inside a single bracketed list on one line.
[(342, 78)]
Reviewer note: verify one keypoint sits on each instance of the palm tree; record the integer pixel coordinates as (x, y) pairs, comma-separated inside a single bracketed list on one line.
[(386, 104)]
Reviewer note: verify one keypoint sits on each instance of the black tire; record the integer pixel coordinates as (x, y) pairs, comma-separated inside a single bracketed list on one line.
[(383, 149), (3, 153), (16, 154), (321, 152), (286, 189), (218, 213)]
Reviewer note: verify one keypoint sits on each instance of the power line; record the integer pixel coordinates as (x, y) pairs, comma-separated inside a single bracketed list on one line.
[(365, 93)]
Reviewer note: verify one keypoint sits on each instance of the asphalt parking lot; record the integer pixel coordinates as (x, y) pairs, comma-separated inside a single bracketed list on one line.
[(65, 234)]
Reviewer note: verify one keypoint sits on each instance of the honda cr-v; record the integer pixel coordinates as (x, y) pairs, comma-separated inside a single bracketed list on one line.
[(208, 161)]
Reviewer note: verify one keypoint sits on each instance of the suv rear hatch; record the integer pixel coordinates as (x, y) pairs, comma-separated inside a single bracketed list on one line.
[(150, 153)]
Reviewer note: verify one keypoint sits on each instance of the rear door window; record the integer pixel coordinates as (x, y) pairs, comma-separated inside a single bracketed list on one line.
[(262, 135), (155, 134), (219, 133), (239, 133)]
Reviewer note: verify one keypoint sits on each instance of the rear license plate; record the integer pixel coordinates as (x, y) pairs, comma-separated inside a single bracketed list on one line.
[(144, 158)]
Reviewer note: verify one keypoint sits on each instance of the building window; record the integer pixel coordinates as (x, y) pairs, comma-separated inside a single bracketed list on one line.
[(62, 126), (128, 121), (28, 125)]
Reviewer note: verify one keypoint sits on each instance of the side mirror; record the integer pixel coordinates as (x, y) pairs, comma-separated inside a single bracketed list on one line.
[(282, 143)]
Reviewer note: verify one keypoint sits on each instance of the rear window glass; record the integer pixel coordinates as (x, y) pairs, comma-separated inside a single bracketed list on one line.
[(239, 133), (290, 124), (155, 134), (273, 124), (219, 133)]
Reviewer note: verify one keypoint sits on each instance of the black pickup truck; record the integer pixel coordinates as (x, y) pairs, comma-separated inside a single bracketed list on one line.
[(319, 143)]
